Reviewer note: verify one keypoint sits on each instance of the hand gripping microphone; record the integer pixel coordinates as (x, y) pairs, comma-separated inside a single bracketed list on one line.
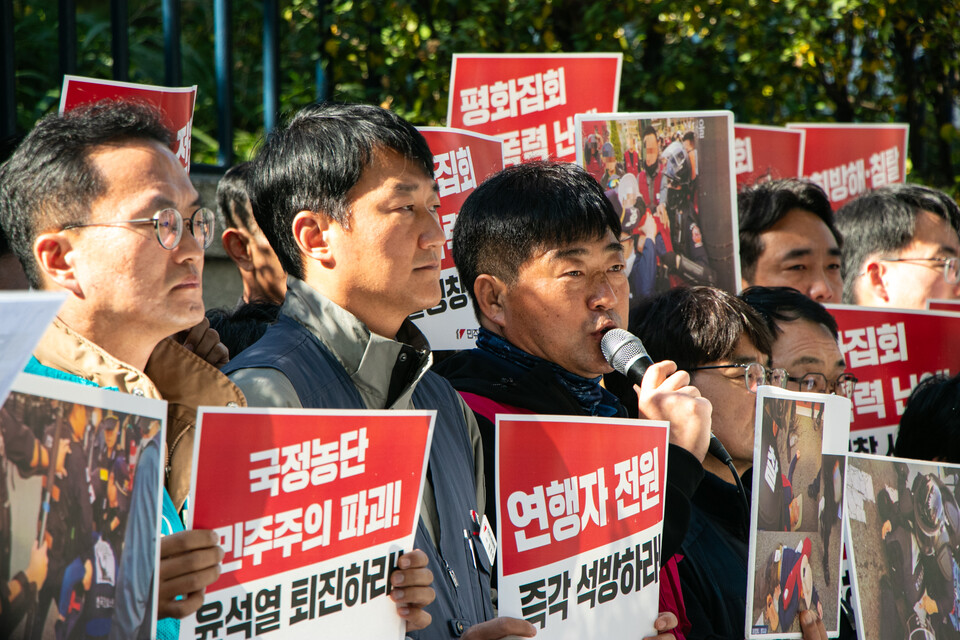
[(626, 354)]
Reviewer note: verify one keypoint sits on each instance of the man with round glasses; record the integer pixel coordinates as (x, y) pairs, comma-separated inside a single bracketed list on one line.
[(168, 224), (904, 247), (96, 205)]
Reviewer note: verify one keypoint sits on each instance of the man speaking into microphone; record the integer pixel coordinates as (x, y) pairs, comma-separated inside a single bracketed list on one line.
[(537, 246)]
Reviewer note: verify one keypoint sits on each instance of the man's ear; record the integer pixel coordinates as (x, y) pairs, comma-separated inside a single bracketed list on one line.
[(56, 259), (873, 282), (236, 243), (490, 292), (313, 233)]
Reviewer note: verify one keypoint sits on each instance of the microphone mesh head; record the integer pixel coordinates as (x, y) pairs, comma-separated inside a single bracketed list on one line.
[(621, 349)]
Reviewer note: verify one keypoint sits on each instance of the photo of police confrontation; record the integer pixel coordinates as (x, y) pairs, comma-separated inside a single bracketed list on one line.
[(79, 503), (904, 524)]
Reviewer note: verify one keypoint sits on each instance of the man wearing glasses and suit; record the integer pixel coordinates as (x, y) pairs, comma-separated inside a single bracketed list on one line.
[(903, 249)]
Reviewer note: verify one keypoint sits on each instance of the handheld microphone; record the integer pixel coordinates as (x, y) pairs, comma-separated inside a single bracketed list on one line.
[(627, 355)]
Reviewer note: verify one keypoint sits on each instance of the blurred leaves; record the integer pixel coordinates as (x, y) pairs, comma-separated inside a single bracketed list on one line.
[(769, 61)]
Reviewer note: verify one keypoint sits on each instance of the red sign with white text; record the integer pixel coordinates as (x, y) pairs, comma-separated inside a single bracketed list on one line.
[(762, 154), (312, 485), (890, 351), (847, 160), (176, 104), (461, 161), (529, 100), (580, 519), (545, 465)]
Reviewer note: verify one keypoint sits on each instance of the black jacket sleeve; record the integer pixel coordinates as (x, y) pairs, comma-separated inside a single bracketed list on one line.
[(684, 473)]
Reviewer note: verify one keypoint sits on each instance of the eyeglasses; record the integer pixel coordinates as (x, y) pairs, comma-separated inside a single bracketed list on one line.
[(754, 374), (951, 266), (168, 224), (817, 383)]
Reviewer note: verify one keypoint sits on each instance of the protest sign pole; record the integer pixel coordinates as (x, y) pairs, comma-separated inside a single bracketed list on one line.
[(51, 475), (45, 505)]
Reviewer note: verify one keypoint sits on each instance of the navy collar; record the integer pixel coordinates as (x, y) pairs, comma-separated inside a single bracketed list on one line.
[(592, 398)]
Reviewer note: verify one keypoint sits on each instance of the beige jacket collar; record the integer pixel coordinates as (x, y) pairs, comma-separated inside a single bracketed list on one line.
[(173, 373)]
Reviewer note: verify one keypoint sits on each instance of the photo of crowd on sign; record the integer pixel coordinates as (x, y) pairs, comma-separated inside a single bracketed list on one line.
[(799, 493), (670, 179), (904, 524), (80, 518)]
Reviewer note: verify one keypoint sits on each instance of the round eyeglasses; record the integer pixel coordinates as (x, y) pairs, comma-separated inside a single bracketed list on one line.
[(168, 223), (818, 383), (754, 374), (951, 266)]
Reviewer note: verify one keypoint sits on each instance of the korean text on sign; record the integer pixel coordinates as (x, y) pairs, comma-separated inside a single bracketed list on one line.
[(513, 97), (556, 512)]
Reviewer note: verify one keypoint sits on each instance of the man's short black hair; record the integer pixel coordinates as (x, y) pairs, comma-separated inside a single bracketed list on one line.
[(49, 181), (786, 304), (233, 199), (525, 208), (649, 131), (694, 326), (930, 426), (689, 136), (762, 206), (313, 162), (884, 221)]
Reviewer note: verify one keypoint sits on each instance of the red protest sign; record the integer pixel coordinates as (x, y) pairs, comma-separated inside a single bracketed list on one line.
[(543, 460), (529, 100), (461, 161), (890, 351), (176, 104), (305, 486), (846, 160), (572, 495), (762, 154)]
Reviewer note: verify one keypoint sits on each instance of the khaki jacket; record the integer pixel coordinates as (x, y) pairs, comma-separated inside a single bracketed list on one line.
[(173, 373)]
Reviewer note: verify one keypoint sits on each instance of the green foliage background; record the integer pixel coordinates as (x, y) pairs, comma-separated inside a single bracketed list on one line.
[(769, 61)]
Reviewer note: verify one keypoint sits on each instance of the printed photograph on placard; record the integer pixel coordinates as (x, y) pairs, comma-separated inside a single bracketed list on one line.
[(904, 523), (82, 473), (670, 179), (796, 541)]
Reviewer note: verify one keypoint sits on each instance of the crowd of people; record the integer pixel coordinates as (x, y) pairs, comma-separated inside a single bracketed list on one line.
[(333, 226)]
